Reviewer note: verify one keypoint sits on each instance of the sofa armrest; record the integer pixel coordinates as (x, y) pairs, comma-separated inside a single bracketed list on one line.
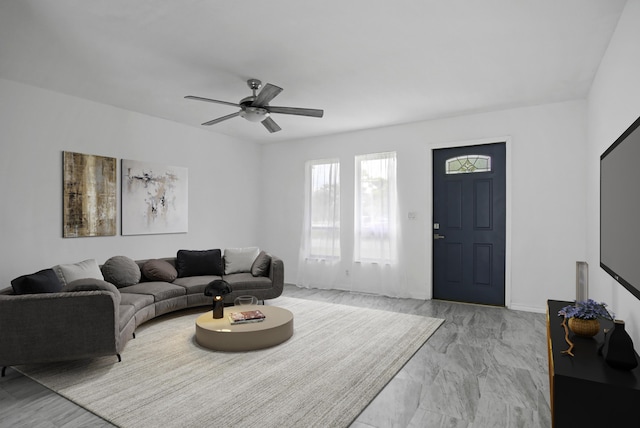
[(40, 328), (276, 274)]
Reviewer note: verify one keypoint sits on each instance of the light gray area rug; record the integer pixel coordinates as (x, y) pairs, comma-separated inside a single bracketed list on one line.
[(337, 361)]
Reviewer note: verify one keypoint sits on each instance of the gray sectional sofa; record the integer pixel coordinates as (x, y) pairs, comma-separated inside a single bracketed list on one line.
[(92, 317)]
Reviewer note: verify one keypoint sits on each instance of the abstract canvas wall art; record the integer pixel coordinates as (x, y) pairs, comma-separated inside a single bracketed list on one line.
[(154, 198), (89, 195)]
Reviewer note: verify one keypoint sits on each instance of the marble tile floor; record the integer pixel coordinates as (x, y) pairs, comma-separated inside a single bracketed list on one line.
[(484, 367)]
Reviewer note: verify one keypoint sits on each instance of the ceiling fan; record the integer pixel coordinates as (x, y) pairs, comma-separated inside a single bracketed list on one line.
[(256, 108)]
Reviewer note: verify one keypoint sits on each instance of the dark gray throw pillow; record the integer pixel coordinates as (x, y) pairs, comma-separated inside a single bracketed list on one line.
[(121, 271), (44, 281), (159, 270), (199, 262), (261, 264), (92, 284)]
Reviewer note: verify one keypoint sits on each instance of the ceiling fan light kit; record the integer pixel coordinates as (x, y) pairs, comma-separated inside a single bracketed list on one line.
[(254, 114), (256, 108)]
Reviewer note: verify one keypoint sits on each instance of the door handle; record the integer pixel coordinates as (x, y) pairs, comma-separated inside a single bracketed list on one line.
[(437, 236)]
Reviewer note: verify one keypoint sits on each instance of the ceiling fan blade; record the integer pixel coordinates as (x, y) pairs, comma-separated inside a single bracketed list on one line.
[(209, 100), (267, 93), (271, 125), (220, 119), (297, 111)]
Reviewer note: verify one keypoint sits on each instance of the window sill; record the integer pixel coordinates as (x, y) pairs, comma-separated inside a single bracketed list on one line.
[(321, 259), (374, 262)]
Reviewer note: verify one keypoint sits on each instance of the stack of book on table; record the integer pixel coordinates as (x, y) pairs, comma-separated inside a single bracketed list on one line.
[(246, 317)]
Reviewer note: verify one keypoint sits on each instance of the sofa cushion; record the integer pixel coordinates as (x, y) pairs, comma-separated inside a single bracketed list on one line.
[(92, 284), (121, 271), (260, 266), (159, 290), (196, 284), (138, 301), (246, 281), (44, 281), (239, 259), (85, 269), (196, 262), (159, 270)]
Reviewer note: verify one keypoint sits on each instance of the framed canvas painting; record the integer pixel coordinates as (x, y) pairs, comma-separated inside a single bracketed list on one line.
[(154, 198), (89, 195)]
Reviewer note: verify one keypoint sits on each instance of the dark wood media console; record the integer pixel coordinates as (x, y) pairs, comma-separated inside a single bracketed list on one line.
[(585, 391)]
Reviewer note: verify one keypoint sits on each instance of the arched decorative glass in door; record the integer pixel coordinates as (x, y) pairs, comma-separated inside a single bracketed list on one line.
[(468, 164)]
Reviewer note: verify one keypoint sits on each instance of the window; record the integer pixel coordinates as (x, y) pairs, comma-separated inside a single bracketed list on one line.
[(375, 207), (468, 164), (322, 217)]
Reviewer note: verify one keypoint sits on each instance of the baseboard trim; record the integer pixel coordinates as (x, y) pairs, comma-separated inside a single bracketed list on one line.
[(528, 309)]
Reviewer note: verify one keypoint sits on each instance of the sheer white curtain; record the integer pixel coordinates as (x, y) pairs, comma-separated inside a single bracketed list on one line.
[(319, 258), (376, 267)]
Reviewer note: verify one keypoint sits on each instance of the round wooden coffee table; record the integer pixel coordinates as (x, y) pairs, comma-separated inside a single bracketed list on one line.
[(221, 335)]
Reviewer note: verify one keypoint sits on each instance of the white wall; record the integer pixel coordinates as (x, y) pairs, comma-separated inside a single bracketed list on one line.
[(36, 126), (547, 155), (243, 194), (613, 105)]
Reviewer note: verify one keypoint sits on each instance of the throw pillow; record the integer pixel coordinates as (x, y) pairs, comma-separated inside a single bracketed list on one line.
[(159, 270), (121, 271), (44, 281), (91, 284), (199, 262), (238, 260), (84, 269), (260, 266)]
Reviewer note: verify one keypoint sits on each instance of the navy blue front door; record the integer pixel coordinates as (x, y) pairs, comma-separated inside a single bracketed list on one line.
[(469, 215)]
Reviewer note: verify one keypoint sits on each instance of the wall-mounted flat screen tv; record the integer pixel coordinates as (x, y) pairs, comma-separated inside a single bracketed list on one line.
[(620, 209)]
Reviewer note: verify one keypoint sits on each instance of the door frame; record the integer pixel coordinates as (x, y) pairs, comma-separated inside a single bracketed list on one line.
[(507, 255)]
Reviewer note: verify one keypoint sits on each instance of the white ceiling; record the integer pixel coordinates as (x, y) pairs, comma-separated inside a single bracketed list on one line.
[(367, 63)]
